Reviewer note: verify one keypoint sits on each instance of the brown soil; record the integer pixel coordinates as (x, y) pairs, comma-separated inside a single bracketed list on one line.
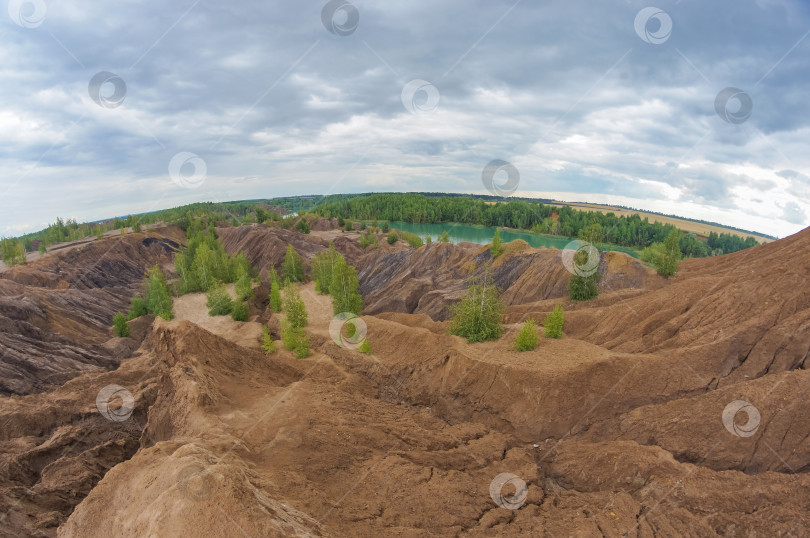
[(617, 428)]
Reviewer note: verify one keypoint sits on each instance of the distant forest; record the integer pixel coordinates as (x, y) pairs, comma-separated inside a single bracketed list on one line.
[(628, 231), (533, 215)]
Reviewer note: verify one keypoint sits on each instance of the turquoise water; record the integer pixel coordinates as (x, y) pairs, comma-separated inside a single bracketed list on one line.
[(482, 235)]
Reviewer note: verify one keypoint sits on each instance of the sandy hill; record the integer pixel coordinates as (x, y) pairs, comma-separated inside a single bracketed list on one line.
[(630, 425)]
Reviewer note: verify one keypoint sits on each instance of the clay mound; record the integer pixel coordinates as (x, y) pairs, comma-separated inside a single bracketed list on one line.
[(428, 279), (56, 313)]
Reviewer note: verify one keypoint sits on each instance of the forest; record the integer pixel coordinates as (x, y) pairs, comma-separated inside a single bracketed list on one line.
[(629, 231)]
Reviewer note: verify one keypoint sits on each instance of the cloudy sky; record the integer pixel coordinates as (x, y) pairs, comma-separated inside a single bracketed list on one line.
[(112, 108)]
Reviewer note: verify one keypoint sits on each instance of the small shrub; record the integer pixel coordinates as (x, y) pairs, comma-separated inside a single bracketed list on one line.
[(219, 301), (392, 238), (137, 308), (477, 317), (583, 288), (385, 227), (527, 338), (295, 340), (275, 291), (351, 329), (428, 239), (365, 347), (445, 237), (268, 344), (553, 323), (239, 311), (158, 298), (302, 225), (497, 248), (137, 228), (293, 266), (120, 324)]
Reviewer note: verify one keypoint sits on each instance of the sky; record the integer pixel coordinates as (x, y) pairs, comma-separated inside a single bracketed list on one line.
[(698, 109)]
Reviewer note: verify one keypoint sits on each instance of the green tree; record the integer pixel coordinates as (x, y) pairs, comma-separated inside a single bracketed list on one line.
[(42, 247), (244, 287), (120, 325), (477, 317), (295, 340), (294, 308), (293, 266), (158, 298), (218, 300), (671, 254), (553, 323), (275, 291), (322, 268), (345, 289), (12, 252), (136, 227), (392, 238), (239, 311), (445, 237), (527, 337), (497, 248), (385, 227)]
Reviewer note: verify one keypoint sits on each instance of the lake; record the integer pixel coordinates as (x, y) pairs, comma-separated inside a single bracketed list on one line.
[(482, 235)]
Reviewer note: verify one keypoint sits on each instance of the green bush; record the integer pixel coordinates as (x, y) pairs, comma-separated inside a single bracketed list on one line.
[(137, 308), (294, 308), (428, 239), (553, 323), (365, 347), (385, 227), (137, 227), (341, 222), (665, 256), (43, 248), (351, 329), (239, 311), (322, 267), (392, 238), (268, 344), (527, 337), (477, 317), (445, 237), (583, 288), (120, 324), (302, 225), (275, 291), (218, 301), (292, 268)]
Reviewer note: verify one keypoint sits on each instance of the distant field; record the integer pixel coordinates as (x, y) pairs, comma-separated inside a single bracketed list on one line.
[(686, 225)]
